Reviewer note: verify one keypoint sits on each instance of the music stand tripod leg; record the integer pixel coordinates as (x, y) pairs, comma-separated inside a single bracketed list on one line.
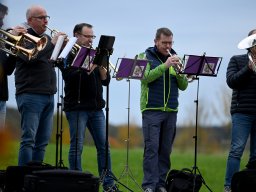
[(195, 168), (106, 171), (127, 170)]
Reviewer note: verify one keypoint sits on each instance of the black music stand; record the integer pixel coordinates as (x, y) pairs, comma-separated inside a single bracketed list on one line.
[(59, 129), (82, 61), (200, 66), (103, 52), (130, 69)]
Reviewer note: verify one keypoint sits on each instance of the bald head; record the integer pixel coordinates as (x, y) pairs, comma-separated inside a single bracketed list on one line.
[(37, 18), (34, 10)]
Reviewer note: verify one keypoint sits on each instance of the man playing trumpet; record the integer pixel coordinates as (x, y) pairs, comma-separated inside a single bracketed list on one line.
[(159, 107), (83, 104)]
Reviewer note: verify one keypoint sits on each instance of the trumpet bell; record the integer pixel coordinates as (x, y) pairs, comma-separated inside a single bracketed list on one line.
[(190, 78), (16, 45), (40, 43)]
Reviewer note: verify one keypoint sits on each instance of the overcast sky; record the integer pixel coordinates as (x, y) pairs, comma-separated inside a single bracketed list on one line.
[(213, 27)]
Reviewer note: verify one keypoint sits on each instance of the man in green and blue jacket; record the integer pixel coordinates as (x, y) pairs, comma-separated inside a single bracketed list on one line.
[(159, 106)]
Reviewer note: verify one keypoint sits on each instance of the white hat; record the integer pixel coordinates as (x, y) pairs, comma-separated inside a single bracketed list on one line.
[(247, 42)]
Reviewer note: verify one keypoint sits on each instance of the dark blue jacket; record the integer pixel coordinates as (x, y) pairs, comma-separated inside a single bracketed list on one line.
[(242, 80), (7, 66), (160, 85)]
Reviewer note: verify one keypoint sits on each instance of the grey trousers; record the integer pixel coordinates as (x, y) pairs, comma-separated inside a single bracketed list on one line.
[(159, 129)]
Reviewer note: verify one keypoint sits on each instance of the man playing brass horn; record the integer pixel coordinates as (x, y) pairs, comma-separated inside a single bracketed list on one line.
[(35, 82), (241, 79), (83, 105), (159, 106)]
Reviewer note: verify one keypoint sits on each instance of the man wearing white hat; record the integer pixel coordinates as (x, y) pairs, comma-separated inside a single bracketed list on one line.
[(241, 78)]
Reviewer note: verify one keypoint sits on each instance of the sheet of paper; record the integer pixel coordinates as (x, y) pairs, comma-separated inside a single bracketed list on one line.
[(57, 48), (68, 47)]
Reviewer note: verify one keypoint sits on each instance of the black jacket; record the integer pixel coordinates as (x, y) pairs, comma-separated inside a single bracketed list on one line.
[(82, 91), (243, 82), (7, 66), (36, 75)]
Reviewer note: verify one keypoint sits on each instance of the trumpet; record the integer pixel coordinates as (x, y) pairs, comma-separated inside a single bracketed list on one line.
[(112, 66), (53, 31), (16, 45), (178, 68)]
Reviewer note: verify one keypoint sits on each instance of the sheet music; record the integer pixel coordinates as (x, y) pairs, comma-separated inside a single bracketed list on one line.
[(84, 58), (201, 65), (131, 68), (57, 47), (68, 47)]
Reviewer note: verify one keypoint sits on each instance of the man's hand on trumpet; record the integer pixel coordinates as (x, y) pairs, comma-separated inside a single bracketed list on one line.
[(102, 70), (174, 61), (90, 68), (56, 36), (17, 30)]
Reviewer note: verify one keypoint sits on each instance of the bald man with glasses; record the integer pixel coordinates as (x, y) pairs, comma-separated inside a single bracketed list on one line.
[(35, 82)]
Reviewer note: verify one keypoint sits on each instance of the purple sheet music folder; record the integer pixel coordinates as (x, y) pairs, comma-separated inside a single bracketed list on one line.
[(131, 68), (83, 57), (195, 66)]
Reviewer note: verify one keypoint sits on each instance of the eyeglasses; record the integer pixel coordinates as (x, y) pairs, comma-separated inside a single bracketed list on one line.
[(42, 17), (88, 36), (167, 42)]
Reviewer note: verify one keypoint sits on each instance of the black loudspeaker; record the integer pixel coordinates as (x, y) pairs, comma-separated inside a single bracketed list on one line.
[(2, 180), (244, 181), (104, 50), (14, 175), (61, 180)]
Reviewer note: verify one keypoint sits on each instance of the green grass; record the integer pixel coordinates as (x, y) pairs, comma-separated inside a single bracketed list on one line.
[(211, 166)]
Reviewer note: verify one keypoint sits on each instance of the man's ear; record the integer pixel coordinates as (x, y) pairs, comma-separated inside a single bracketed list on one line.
[(76, 34)]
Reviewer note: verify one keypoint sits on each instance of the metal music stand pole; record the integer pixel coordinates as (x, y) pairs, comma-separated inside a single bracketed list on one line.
[(127, 171), (195, 167), (204, 66), (106, 171), (59, 130)]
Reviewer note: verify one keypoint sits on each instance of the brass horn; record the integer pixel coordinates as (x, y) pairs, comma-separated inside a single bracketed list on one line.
[(16, 45), (253, 63), (178, 69)]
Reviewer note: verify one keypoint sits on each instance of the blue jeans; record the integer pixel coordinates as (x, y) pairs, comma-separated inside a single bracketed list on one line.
[(95, 122), (2, 114), (243, 125), (36, 112), (159, 129)]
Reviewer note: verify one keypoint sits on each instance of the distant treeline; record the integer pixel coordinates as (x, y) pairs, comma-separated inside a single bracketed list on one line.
[(210, 139)]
